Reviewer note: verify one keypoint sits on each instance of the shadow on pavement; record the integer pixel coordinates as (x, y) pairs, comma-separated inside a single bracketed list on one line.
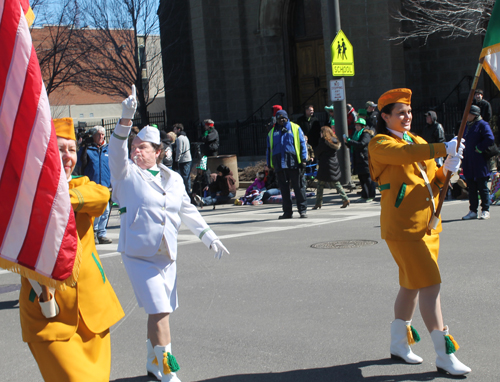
[(142, 378), (451, 220), (350, 372), (13, 304)]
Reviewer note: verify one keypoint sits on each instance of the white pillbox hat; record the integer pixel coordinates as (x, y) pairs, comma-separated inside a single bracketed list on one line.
[(150, 134)]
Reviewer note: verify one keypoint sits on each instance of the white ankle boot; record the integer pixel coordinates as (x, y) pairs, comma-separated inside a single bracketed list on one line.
[(151, 365), (402, 336), (167, 363), (445, 346)]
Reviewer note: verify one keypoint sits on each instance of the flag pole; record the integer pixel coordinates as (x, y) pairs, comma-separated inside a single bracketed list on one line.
[(45, 293), (461, 131)]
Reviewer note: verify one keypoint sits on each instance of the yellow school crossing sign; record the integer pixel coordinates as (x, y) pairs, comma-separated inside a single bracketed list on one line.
[(342, 56)]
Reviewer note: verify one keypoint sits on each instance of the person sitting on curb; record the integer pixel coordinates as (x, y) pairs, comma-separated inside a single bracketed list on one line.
[(201, 182), (254, 192), (222, 190)]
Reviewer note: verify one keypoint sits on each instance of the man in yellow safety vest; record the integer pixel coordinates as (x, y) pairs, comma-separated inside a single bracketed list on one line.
[(287, 154)]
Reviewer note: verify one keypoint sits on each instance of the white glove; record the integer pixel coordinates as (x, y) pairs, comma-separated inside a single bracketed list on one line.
[(129, 105), (50, 308), (451, 148), (218, 248), (451, 164)]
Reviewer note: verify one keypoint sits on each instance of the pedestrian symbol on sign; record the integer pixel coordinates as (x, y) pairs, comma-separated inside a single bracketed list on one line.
[(342, 56), (341, 50)]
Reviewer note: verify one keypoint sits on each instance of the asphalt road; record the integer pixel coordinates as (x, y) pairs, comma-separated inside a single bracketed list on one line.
[(277, 309)]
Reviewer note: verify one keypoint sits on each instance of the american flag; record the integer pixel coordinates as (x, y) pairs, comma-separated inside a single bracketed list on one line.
[(38, 237)]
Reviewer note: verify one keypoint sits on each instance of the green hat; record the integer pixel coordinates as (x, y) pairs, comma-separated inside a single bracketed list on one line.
[(362, 112), (329, 108), (360, 121)]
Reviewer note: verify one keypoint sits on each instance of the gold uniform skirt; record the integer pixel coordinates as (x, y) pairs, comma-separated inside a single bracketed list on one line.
[(86, 356), (417, 261)]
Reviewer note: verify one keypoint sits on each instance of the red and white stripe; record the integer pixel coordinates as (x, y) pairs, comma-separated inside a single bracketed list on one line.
[(37, 224)]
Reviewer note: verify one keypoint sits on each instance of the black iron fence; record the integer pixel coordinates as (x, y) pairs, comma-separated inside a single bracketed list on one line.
[(249, 137), (450, 116), (243, 138), (109, 124)]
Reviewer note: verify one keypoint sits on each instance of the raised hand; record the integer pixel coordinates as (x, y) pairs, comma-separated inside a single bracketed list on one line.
[(129, 105)]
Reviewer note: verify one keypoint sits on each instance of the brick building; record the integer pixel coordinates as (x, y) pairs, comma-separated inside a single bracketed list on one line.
[(88, 107)]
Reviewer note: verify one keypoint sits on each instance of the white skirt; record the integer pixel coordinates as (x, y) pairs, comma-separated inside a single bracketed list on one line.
[(154, 280)]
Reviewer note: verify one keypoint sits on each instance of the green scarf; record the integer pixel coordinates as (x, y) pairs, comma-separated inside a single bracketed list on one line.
[(205, 133), (154, 172), (356, 136), (407, 138)]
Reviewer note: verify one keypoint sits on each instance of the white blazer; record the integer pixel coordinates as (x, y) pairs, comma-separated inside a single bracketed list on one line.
[(151, 207)]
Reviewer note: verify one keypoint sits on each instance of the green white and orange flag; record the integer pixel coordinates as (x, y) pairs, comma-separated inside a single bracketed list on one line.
[(491, 46)]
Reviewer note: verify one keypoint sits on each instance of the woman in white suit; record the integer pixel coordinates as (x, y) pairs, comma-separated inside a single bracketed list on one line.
[(153, 203)]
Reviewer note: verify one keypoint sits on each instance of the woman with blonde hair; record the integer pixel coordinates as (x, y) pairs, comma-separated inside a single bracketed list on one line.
[(328, 166)]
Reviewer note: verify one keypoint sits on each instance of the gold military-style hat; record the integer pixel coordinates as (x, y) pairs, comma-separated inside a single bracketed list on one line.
[(401, 95), (65, 128)]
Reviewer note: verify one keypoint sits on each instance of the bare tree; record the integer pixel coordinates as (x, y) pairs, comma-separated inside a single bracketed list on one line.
[(57, 46), (123, 37), (448, 18), (36, 5), (54, 35)]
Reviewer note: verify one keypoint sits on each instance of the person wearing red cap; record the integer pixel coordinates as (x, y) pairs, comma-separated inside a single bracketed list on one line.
[(272, 122), (210, 139), (276, 108), (409, 180)]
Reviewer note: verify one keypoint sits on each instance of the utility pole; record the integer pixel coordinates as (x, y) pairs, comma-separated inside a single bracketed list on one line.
[(339, 106)]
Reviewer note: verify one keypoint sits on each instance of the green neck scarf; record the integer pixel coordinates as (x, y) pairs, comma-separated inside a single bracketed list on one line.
[(205, 133), (357, 134), (154, 172), (407, 138)]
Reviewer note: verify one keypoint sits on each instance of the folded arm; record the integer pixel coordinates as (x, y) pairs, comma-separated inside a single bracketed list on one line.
[(90, 198)]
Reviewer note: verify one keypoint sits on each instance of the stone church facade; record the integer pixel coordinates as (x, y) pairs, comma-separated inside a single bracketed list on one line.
[(224, 59)]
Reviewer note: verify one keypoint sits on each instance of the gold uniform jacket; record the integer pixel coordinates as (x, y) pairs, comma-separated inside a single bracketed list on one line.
[(406, 201), (92, 298)]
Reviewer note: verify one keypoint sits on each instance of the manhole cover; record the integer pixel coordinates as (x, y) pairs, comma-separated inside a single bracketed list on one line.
[(340, 244)]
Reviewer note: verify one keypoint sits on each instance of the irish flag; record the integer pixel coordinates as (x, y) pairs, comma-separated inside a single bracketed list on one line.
[(491, 46), (38, 237)]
